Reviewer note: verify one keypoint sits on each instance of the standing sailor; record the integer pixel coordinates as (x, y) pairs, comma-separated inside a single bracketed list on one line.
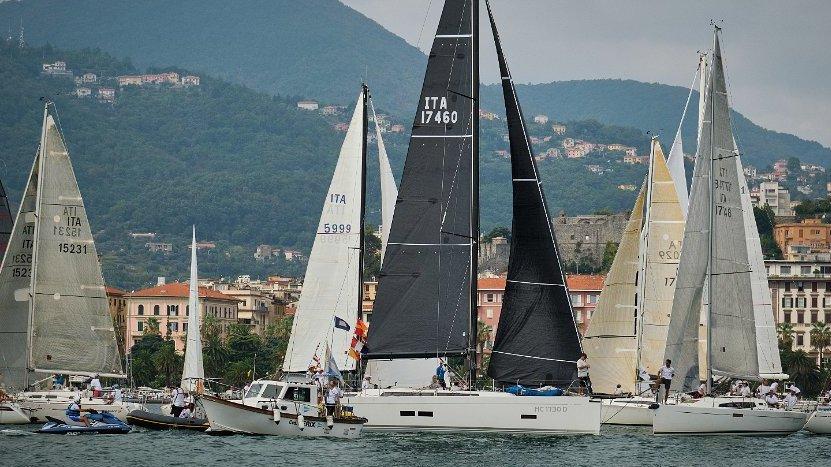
[(583, 373), (665, 374)]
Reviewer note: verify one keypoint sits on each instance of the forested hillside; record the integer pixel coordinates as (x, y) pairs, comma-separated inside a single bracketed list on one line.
[(321, 49), (656, 108), (245, 167)]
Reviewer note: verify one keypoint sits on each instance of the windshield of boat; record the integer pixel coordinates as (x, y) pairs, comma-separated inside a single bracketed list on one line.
[(298, 394), (271, 391), (254, 390)]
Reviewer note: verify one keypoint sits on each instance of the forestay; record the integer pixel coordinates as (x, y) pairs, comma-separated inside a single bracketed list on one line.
[(423, 307), (71, 327), (332, 283), (611, 340), (536, 341)]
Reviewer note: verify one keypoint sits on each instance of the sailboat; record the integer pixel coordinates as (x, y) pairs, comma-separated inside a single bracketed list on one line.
[(717, 270), (329, 306), (193, 373), (55, 313), (10, 412), (426, 302), (625, 341)]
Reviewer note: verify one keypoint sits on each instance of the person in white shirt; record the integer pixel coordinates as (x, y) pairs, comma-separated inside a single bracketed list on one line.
[(763, 389), (187, 412), (744, 390), (790, 400), (448, 381), (583, 373), (333, 396), (178, 402), (95, 385), (666, 373), (771, 399), (618, 390), (774, 386), (365, 384)]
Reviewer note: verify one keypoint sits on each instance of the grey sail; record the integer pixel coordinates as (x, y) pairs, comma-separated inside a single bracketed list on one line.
[(71, 328), (714, 238), (15, 281), (424, 305)]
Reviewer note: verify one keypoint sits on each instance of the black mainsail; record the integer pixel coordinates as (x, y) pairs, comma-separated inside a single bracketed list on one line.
[(425, 306), (536, 340)]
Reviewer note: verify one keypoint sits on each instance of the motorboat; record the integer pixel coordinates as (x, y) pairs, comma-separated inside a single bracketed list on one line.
[(726, 415), (819, 421), (279, 409)]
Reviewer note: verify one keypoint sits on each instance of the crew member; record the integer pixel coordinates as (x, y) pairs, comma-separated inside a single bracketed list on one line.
[(333, 396), (666, 373), (73, 411), (583, 373), (178, 402)]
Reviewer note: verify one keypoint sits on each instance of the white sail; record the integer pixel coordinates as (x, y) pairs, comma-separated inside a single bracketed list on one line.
[(71, 327), (193, 373), (331, 286), (15, 283), (389, 192), (611, 340), (662, 240)]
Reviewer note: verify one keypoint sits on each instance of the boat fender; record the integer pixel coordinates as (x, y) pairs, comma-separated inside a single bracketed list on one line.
[(277, 415), (301, 422), (654, 405), (330, 421)]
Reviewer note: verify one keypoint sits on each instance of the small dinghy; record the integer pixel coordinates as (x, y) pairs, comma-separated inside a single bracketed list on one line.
[(102, 423), (157, 421)]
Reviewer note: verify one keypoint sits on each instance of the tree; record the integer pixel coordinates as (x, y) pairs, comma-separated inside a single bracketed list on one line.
[(372, 252), (765, 222), (803, 370), (499, 231), (483, 336), (786, 333), (167, 361), (820, 339), (152, 327), (609, 256)]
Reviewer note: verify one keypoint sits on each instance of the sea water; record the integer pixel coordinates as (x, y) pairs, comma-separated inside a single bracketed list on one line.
[(615, 446)]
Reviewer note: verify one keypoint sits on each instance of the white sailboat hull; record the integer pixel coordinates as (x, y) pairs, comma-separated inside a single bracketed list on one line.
[(479, 411), (627, 411), (707, 418), (234, 417), (820, 421), (11, 414)]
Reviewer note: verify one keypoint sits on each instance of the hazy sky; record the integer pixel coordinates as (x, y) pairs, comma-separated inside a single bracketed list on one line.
[(777, 53)]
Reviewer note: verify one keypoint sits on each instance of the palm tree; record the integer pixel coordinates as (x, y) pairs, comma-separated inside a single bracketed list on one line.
[(786, 333), (483, 336), (152, 326), (820, 338), (803, 371), (165, 360)]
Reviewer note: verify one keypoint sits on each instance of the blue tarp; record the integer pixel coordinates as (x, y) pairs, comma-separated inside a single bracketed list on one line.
[(520, 390)]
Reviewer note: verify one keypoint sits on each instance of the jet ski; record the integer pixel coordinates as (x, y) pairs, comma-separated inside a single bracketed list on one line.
[(102, 423)]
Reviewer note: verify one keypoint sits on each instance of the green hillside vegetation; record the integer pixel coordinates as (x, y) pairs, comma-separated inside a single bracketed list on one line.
[(315, 48), (652, 107)]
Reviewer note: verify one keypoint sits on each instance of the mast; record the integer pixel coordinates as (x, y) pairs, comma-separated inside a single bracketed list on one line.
[(711, 236), (362, 194), (644, 246), (41, 158), (474, 199)]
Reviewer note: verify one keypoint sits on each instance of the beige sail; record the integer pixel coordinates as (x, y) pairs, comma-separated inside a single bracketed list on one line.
[(71, 328), (611, 340), (663, 236)]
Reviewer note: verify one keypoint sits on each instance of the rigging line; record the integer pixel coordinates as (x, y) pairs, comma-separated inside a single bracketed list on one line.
[(687, 104), (423, 23)]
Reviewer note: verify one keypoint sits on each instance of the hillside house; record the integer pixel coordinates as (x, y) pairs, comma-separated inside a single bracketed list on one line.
[(89, 78), (106, 94), (627, 187), (159, 247), (541, 119), (332, 109), (83, 92), (56, 69), (575, 152), (264, 251), (308, 105), (129, 80), (293, 255), (147, 235), (205, 245), (397, 128), (487, 115), (558, 129), (341, 126), (190, 80)]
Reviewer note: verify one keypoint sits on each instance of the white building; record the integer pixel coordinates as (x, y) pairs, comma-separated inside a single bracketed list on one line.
[(308, 105), (774, 195), (541, 119)]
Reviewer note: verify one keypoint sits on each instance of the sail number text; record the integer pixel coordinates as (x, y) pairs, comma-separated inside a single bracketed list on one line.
[(720, 188), (72, 248), (336, 228), (435, 111)]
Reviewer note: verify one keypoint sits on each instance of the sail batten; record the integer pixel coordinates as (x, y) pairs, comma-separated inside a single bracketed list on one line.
[(537, 340), (332, 285), (424, 306)]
